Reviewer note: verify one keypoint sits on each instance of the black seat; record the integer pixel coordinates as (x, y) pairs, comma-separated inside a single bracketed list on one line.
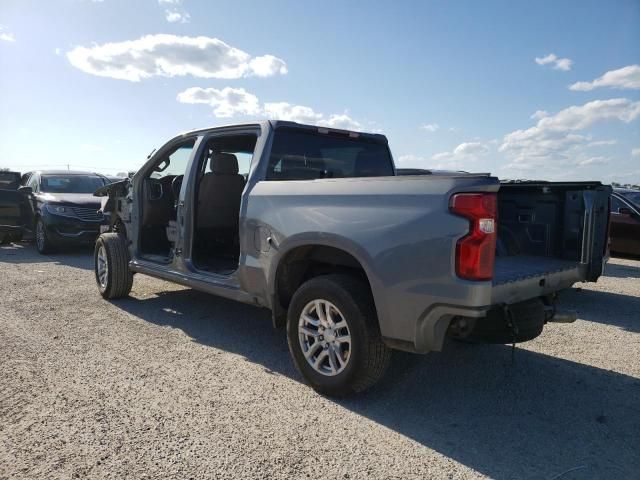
[(220, 193)]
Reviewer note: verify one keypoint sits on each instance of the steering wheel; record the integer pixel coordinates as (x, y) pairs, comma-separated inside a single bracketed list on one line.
[(176, 185)]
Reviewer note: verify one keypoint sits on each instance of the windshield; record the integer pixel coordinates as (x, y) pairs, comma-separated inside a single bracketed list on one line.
[(71, 183), (633, 196)]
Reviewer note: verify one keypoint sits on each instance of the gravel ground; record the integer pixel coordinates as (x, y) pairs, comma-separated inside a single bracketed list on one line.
[(172, 383)]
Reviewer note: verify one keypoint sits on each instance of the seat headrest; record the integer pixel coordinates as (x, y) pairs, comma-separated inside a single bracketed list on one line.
[(224, 163)]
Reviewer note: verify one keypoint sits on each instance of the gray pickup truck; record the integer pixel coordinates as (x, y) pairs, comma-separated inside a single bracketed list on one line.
[(352, 258)]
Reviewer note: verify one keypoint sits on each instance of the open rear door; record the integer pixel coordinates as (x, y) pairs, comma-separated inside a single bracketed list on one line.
[(12, 212)]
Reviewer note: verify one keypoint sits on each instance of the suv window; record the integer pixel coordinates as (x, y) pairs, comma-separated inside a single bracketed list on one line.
[(9, 180), (304, 155)]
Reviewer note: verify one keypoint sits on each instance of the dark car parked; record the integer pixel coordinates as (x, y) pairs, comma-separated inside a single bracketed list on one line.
[(629, 194), (12, 213), (625, 223), (57, 207)]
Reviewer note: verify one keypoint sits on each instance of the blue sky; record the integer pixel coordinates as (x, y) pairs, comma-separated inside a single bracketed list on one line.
[(98, 84)]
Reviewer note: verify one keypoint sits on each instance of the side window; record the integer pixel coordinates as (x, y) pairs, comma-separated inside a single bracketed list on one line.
[(33, 183), (175, 163), (225, 154)]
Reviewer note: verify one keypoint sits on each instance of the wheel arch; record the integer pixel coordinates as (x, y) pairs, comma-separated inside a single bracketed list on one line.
[(306, 258)]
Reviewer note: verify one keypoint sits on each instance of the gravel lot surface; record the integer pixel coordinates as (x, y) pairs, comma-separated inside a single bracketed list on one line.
[(172, 383)]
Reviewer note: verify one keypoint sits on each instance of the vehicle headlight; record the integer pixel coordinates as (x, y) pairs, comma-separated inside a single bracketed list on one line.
[(57, 209)]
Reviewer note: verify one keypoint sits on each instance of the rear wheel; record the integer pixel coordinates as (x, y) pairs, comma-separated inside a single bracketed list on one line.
[(43, 243), (333, 335), (111, 261)]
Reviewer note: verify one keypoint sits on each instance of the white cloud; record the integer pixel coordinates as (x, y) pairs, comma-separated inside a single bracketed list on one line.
[(303, 114), (230, 102), (555, 62), (341, 121), (554, 141), (171, 55), (601, 143), (635, 152), (175, 16), (227, 102), (623, 78), (592, 161), (169, 2), (294, 113), (538, 114), (6, 36), (460, 157), (430, 127)]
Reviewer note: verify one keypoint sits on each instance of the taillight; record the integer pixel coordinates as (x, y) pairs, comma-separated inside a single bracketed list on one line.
[(476, 251)]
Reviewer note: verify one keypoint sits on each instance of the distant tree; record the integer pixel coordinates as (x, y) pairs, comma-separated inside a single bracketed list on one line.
[(615, 184), (4, 170)]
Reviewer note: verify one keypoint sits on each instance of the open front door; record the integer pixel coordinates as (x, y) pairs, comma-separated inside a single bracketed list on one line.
[(12, 208)]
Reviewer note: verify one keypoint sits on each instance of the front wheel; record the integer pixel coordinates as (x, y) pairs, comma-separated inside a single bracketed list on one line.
[(334, 337), (43, 243), (111, 261)]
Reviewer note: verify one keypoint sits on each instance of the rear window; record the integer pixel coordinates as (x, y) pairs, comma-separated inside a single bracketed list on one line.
[(304, 155), (9, 180), (71, 183)]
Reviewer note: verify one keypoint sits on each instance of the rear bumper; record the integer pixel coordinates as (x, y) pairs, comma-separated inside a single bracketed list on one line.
[(431, 327)]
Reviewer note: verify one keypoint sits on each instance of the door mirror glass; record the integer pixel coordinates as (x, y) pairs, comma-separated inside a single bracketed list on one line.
[(25, 190)]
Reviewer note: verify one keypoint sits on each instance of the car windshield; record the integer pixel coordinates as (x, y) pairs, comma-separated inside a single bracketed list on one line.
[(633, 196), (71, 183)]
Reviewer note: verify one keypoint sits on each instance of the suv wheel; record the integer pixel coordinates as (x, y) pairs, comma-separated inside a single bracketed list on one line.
[(43, 244), (333, 335), (111, 261)]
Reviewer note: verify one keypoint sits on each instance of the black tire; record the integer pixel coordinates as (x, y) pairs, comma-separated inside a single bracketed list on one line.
[(369, 357), (43, 243), (118, 279)]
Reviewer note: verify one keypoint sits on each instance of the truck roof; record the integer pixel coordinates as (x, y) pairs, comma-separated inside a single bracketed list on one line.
[(286, 123)]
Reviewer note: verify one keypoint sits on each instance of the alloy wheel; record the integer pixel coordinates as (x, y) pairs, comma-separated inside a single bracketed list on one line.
[(324, 337)]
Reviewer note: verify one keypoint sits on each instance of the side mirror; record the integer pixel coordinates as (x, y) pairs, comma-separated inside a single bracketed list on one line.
[(624, 211), (25, 190)]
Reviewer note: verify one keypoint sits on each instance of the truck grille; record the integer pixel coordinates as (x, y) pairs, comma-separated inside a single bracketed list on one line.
[(88, 214)]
